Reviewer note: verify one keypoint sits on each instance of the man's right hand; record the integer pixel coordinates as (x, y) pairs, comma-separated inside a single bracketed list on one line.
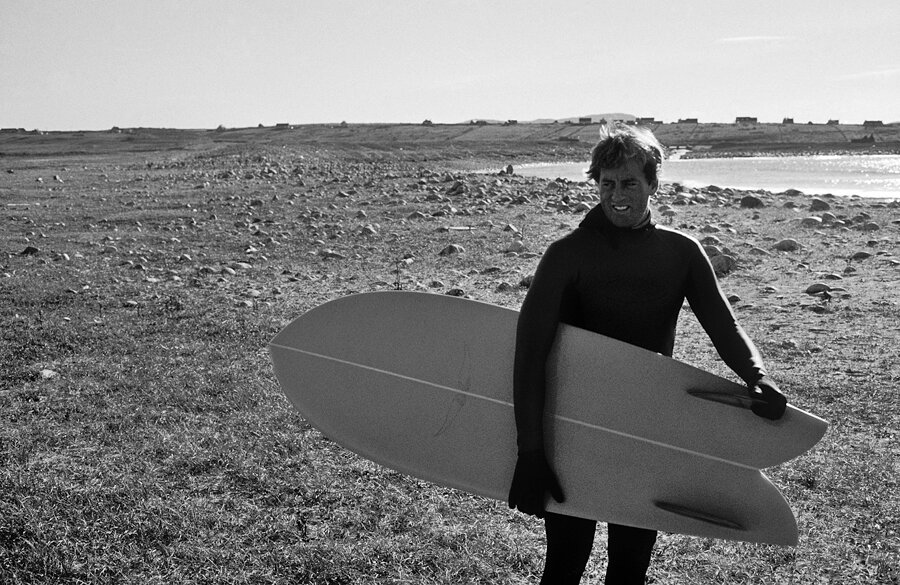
[(532, 480)]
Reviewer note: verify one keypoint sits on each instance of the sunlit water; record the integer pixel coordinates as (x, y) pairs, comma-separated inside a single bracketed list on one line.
[(866, 176)]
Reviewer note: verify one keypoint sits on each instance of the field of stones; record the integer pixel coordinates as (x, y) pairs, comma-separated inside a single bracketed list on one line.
[(143, 437)]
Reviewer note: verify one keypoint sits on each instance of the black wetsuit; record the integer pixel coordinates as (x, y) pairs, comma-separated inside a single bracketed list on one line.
[(629, 284)]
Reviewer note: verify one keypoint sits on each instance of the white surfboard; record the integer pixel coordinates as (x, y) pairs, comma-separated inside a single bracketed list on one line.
[(422, 383)]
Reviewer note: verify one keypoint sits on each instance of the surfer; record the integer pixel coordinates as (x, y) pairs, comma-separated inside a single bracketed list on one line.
[(620, 275)]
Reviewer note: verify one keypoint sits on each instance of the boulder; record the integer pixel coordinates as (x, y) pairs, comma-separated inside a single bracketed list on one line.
[(819, 205), (751, 202), (723, 264), (788, 245)]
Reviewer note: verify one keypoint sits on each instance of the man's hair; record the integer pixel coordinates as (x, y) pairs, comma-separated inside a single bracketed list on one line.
[(620, 144)]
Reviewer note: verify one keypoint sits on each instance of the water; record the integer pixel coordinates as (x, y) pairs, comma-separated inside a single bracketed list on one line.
[(866, 176)]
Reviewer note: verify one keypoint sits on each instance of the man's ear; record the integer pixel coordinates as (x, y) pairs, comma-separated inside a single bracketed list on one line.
[(655, 186)]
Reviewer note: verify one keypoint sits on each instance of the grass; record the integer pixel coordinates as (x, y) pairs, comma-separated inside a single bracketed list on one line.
[(144, 439)]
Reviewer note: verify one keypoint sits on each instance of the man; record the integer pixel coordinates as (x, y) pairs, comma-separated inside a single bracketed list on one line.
[(620, 275)]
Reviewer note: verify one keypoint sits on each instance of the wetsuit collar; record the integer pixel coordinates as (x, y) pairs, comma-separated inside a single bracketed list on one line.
[(597, 220)]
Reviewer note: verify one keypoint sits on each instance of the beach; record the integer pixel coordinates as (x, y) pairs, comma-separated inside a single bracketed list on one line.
[(143, 436)]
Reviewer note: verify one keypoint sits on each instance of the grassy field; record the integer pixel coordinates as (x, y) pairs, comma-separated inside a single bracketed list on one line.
[(143, 438)]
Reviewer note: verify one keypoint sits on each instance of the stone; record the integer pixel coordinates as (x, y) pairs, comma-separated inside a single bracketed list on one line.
[(788, 245), (819, 205), (751, 202), (723, 264), (817, 288), (811, 222), (451, 250), (516, 247)]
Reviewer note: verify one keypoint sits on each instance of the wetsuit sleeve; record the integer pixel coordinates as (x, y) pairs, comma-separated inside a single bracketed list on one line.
[(535, 333), (714, 313)]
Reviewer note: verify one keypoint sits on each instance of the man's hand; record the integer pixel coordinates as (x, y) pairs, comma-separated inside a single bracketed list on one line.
[(532, 479), (768, 401)]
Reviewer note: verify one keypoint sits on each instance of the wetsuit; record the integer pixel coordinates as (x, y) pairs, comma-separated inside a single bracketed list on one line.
[(629, 284)]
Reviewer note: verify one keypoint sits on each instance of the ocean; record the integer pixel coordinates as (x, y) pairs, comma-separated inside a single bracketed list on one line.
[(876, 176)]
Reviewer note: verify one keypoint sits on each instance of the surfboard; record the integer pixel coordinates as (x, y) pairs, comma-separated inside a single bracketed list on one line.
[(422, 383)]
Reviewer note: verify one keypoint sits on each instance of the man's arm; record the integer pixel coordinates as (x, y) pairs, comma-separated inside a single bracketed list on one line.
[(736, 349), (535, 333)]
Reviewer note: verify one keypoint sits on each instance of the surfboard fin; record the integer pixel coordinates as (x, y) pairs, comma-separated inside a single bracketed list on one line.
[(723, 397), (698, 515)]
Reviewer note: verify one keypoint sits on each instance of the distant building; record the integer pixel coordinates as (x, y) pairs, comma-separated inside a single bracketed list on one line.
[(688, 121), (282, 126), (787, 121), (11, 130), (646, 121), (872, 123), (427, 123), (745, 120), (511, 122), (585, 120), (833, 123)]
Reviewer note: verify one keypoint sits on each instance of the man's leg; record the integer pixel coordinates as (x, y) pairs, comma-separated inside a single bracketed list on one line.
[(629, 555), (569, 543)]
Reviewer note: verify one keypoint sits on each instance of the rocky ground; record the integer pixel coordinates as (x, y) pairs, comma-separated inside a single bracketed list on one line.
[(159, 259)]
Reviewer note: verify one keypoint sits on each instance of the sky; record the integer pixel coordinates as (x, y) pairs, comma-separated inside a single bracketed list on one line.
[(95, 64)]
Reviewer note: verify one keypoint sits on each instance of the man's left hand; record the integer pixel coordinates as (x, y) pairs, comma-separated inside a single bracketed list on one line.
[(768, 401)]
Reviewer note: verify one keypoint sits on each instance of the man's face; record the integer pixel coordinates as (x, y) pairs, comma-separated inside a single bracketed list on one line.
[(625, 194)]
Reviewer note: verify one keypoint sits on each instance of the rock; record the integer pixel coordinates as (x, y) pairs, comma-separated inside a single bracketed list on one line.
[(451, 250), (723, 264), (861, 256), (811, 222), (817, 288), (751, 202), (29, 251), (456, 292), (458, 188), (509, 169), (526, 281), (48, 374), (416, 215), (819, 205), (788, 245), (870, 226), (516, 247)]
